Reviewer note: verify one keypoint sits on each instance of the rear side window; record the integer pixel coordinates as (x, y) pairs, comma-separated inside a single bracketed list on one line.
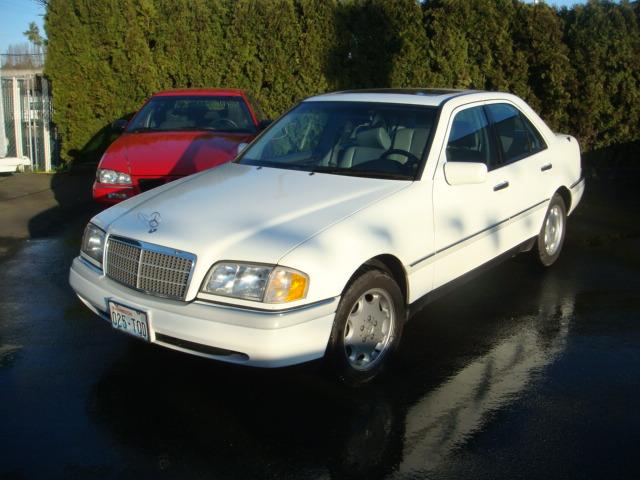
[(469, 140), (517, 137)]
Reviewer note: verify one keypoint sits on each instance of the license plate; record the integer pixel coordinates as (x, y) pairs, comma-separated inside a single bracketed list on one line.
[(129, 320)]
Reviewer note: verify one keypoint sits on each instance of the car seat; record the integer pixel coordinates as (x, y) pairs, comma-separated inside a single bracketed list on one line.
[(370, 145)]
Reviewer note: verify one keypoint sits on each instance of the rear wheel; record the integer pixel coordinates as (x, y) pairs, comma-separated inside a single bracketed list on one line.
[(551, 237), (367, 327)]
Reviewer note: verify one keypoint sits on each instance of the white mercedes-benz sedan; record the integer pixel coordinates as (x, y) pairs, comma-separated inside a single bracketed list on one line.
[(331, 227)]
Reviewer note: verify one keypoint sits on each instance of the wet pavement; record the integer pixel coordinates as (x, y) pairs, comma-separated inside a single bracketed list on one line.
[(520, 373)]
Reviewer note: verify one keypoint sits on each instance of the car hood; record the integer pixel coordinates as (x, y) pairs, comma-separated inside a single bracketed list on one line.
[(173, 153), (240, 212)]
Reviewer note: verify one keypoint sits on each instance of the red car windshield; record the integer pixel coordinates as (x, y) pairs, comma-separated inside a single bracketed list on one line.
[(176, 113)]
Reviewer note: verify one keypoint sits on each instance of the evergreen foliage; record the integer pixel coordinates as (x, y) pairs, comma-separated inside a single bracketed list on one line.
[(409, 61), (604, 41), (538, 34), (483, 29), (264, 52), (189, 45), (579, 67)]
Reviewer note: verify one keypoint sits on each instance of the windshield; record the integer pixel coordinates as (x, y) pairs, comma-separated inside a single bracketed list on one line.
[(173, 113), (347, 138)]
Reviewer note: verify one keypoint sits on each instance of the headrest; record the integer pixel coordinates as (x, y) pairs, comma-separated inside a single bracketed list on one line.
[(377, 120), (376, 137), (403, 138)]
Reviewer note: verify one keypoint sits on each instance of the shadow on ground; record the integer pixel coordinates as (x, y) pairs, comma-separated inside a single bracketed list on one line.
[(71, 187), (72, 193)]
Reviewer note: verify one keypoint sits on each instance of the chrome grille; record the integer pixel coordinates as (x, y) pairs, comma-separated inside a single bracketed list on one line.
[(150, 268), (122, 262)]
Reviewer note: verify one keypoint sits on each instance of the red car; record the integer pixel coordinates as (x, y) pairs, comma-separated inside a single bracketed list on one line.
[(176, 133)]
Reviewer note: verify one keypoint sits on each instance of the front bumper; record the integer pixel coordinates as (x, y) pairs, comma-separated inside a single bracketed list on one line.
[(258, 338), (112, 194)]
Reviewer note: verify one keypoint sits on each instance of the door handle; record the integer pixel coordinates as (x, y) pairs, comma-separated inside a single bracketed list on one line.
[(501, 186), (546, 167)]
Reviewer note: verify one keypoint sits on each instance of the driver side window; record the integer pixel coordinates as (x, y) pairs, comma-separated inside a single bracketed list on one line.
[(469, 138)]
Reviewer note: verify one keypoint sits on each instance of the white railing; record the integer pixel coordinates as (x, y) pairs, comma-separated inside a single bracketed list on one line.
[(25, 117)]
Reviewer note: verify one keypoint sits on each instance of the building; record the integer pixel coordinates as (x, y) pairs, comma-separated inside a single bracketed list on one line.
[(26, 139)]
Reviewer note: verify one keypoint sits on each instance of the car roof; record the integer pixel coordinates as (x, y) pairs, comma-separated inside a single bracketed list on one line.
[(415, 96), (230, 92)]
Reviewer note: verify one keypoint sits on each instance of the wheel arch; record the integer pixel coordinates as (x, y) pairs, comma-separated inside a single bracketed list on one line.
[(565, 194), (390, 264)]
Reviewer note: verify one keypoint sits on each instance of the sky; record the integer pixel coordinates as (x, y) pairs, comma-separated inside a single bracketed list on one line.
[(15, 16)]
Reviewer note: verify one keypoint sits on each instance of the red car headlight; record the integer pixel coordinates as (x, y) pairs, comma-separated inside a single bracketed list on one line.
[(112, 177)]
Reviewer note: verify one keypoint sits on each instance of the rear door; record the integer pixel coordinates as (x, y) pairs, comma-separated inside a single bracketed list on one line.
[(525, 161)]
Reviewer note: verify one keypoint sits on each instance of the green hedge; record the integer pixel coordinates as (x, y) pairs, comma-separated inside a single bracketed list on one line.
[(579, 67)]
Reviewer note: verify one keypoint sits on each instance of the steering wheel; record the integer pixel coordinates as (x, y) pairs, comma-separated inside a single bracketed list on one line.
[(227, 122), (398, 151)]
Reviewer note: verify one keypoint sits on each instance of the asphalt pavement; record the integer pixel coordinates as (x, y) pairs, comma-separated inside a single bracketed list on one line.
[(34, 205), (520, 373)]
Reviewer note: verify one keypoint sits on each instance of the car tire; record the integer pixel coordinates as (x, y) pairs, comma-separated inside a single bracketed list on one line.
[(551, 237), (367, 328)]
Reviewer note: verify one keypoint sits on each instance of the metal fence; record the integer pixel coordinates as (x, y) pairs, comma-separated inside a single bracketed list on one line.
[(25, 118)]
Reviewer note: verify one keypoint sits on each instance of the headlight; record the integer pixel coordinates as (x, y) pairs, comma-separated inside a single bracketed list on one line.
[(93, 244), (112, 177), (262, 283)]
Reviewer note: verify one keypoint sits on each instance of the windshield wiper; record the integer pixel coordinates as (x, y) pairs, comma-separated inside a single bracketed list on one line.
[(270, 164), (353, 172), (225, 130), (144, 129)]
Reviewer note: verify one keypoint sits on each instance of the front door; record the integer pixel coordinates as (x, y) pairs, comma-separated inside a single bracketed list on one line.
[(471, 220)]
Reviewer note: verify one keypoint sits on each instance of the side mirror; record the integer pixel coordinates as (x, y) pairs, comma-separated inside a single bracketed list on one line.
[(264, 124), (119, 125), (465, 173)]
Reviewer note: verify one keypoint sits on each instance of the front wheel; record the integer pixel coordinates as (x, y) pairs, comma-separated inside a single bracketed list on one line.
[(551, 237), (367, 327)]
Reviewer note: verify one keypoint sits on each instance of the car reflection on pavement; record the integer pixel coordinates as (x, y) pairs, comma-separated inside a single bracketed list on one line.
[(447, 417), (302, 425)]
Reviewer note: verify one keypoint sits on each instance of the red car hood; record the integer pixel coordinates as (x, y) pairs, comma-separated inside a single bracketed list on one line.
[(173, 153)]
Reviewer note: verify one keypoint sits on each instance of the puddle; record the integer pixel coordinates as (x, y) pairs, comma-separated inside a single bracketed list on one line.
[(8, 354)]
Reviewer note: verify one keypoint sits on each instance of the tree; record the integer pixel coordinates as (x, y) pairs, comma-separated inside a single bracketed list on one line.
[(538, 34), (264, 54), (447, 50), (409, 62), (367, 44), (604, 41), (22, 55), (580, 67), (481, 32), (33, 34), (319, 58), (191, 49)]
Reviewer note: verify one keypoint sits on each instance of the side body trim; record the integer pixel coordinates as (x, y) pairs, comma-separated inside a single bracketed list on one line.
[(478, 235), (576, 183), (265, 311), (433, 295)]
